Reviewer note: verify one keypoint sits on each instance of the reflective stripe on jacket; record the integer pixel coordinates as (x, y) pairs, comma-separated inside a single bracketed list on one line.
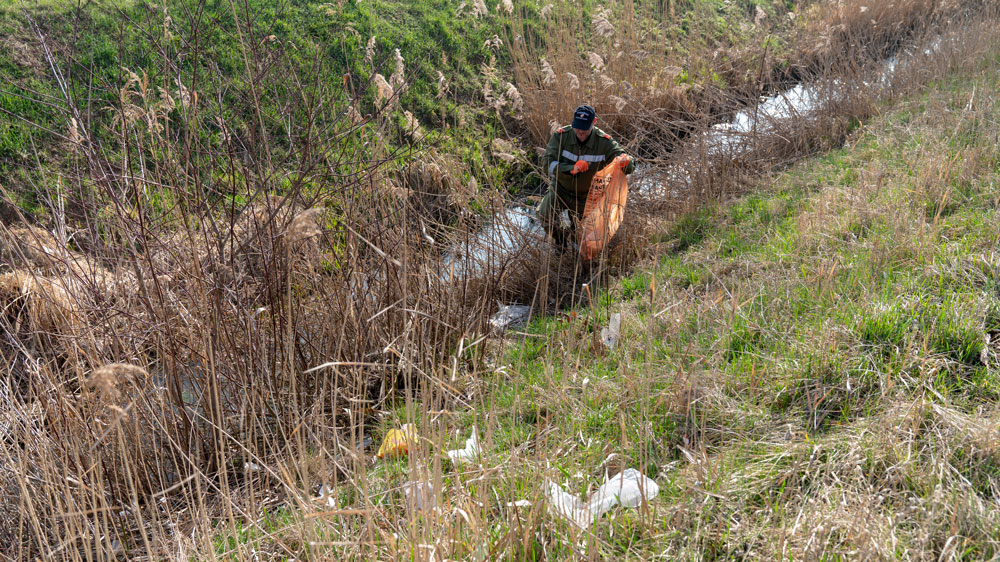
[(564, 150)]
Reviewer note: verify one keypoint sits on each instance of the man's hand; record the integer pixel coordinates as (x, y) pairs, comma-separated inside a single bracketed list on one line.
[(580, 166), (623, 161)]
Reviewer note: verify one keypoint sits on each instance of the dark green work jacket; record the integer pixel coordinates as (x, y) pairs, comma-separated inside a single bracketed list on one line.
[(564, 150)]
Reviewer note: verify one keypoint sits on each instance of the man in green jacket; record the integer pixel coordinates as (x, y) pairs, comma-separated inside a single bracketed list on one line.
[(574, 155)]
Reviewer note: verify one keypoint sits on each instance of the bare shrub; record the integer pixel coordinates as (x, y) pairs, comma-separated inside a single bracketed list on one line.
[(197, 360), (270, 305)]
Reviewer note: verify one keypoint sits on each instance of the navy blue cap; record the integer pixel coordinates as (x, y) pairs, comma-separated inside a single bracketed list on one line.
[(583, 117)]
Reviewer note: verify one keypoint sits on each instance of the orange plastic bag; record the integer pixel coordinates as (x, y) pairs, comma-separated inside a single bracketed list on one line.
[(604, 211)]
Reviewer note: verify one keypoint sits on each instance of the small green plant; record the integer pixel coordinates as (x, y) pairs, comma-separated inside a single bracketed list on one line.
[(885, 326), (954, 333), (635, 286), (691, 229), (745, 338)]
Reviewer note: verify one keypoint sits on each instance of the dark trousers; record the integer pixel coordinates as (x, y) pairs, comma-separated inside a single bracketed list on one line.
[(552, 205)]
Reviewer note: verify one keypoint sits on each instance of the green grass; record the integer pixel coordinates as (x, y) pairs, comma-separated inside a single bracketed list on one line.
[(97, 45), (810, 355), (816, 304), (324, 41)]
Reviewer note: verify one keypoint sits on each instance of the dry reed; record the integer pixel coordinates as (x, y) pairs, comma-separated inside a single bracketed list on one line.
[(206, 361)]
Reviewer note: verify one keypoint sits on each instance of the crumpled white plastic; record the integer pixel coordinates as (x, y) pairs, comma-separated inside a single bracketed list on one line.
[(419, 495), (510, 316), (471, 451), (520, 504), (630, 488), (326, 497), (610, 335)]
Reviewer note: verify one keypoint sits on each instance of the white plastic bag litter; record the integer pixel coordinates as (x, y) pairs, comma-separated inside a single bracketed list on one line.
[(419, 495), (611, 334), (510, 316), (567, 506), (471, 451), (630, 488)]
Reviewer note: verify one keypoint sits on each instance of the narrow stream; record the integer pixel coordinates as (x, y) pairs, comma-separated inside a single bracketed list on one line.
[(511, 231), (517, 228)]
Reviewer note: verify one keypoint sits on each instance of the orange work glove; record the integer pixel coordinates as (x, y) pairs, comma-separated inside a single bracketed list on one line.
[(580, 166), (623, 161)]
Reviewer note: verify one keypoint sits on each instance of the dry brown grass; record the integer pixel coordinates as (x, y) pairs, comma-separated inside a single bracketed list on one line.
[(147, 373), (634, 91), (187, 368), (874, 490), (652, 88)]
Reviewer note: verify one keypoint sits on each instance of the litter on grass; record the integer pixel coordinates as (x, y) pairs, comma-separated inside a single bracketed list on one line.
[(326, 497), (630, 488), (611, 334), (398, 441), (419, 495), (471, 451), (522, 504), (510, 316)]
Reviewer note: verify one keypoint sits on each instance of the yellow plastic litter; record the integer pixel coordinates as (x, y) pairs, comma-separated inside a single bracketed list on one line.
[(398, 441)]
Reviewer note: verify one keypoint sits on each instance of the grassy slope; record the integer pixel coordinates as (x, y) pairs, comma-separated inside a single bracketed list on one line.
[(805, 371), (328, 39), (810, 336), (797, 318), (808, 372)]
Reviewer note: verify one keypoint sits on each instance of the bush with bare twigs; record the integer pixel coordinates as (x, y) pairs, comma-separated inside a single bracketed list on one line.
[(224, 299)]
